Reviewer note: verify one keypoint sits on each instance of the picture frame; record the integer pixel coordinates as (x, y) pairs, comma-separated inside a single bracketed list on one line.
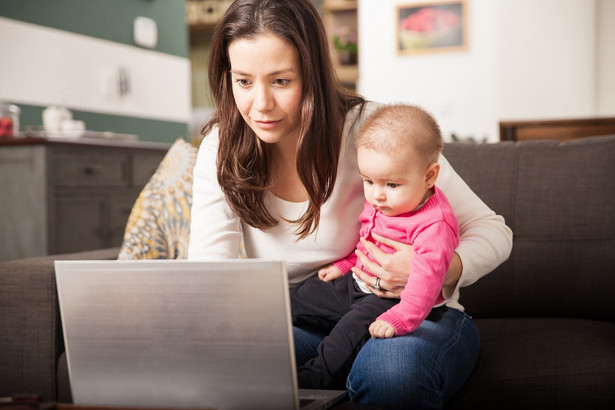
[(432, 27)]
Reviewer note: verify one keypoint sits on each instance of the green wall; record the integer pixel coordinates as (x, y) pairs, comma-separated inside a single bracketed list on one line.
[(107, 19)]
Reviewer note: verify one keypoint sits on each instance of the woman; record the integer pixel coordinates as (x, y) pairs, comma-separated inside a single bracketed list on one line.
[(278, 168)]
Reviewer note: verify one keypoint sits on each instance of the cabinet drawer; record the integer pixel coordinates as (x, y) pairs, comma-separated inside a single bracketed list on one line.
[(77, 224), (87, 170), (120, 207), (143, 167)]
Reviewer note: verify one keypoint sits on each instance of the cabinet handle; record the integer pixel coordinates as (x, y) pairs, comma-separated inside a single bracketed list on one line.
[(92, 169), (125, 171)]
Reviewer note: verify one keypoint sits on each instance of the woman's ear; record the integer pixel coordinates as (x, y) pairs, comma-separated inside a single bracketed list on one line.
[(431, 174)]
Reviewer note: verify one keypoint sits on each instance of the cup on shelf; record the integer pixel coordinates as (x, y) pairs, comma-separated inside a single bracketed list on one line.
[(53, 117), (72, 128), (9, 120)]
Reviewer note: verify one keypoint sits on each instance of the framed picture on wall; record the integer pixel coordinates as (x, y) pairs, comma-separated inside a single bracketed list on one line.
[(434, 26)]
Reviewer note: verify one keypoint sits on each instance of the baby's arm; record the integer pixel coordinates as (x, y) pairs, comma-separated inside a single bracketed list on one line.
[(337, 269), (381, 329), (424, 287)]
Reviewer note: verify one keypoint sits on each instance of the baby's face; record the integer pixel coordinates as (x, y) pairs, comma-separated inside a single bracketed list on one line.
[(393, 184)]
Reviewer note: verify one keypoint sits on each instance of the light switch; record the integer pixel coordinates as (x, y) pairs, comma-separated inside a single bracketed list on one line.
[(145, 32)]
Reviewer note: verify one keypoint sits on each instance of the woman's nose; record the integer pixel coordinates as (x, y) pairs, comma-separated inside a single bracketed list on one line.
[(263, 99)]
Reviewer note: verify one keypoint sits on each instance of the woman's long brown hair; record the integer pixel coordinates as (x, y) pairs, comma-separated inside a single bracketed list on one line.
[(243, 159)]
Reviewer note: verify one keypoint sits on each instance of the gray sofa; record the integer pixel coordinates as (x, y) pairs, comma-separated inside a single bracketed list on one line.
[(545, 317)]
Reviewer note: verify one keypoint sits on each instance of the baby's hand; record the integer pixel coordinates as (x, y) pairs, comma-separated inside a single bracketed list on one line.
[(381, 329), (328, 273)]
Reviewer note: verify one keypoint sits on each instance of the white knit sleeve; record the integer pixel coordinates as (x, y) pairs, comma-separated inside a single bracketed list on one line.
[(215, 230), (485, 240)]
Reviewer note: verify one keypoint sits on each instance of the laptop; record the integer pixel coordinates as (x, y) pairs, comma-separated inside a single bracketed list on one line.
[(182, 334)]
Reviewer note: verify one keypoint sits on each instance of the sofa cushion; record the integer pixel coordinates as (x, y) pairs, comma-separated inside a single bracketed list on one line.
[(159, 224), (549, 362), (558, 200), (31, 332)]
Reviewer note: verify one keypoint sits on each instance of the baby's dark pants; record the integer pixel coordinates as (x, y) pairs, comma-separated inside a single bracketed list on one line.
[(341, 307)]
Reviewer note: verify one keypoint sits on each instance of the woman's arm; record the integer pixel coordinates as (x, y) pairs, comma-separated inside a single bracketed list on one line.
[(215, 230), (485, 242)]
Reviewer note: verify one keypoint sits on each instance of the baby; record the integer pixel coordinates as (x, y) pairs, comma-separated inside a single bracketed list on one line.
[(397, 152)]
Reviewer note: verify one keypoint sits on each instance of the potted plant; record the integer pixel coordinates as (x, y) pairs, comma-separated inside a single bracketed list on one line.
[(345, 42)]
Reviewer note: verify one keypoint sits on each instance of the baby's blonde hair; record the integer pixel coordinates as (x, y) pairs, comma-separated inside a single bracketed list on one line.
[(392, 128)]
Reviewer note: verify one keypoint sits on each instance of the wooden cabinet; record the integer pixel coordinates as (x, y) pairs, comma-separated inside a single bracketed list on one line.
[(60, 196), (556, 129)]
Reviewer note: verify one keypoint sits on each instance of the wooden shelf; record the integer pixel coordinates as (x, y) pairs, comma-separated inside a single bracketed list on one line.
[(201, 29), (340, 13), (339, 5), (347, 73), (202, 16)]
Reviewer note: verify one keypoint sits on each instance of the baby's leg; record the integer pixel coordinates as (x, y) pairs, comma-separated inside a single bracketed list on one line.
[(337, 351), (319, 303)]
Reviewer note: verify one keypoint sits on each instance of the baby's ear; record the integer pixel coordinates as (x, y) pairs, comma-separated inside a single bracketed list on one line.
[(431, 174)]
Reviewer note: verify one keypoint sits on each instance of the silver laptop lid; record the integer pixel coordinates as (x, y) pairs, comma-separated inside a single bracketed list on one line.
[(170, 333)]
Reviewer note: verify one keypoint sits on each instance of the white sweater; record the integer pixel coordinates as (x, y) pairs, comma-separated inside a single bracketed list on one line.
[(216, 231)]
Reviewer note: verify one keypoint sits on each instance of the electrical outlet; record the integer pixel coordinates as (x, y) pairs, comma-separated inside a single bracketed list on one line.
[(145, 32)]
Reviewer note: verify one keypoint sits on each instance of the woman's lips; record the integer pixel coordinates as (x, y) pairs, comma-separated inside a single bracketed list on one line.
[(266, 124)]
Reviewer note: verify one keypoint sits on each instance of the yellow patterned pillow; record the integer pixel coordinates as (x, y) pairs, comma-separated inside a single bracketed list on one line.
[(159, 224)]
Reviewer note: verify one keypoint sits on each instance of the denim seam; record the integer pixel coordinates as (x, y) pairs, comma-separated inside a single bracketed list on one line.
[(452, 342), (349, 388)]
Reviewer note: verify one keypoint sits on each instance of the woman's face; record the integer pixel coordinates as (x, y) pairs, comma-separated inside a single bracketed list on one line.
[(267, 86)]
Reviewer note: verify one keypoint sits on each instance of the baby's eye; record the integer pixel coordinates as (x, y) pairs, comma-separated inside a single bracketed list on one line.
[(368, 181), (392, 185)]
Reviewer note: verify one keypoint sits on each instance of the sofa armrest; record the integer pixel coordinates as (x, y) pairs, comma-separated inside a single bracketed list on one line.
[(31, 336)]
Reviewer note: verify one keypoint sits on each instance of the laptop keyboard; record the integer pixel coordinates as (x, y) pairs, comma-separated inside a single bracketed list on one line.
[(305, 402)]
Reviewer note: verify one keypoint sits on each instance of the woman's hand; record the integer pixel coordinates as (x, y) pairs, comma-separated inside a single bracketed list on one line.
[(392, 269)]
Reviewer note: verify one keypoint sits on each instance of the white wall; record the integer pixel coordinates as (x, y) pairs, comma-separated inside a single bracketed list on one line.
[(545, 59), (49, 66), (606, 57), (526, 59)]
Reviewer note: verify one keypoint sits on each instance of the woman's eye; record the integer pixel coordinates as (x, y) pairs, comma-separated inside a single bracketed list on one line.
[(281, 81), (241, 82)]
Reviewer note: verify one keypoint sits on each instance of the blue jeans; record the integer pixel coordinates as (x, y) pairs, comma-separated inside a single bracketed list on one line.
[(417, 371)]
